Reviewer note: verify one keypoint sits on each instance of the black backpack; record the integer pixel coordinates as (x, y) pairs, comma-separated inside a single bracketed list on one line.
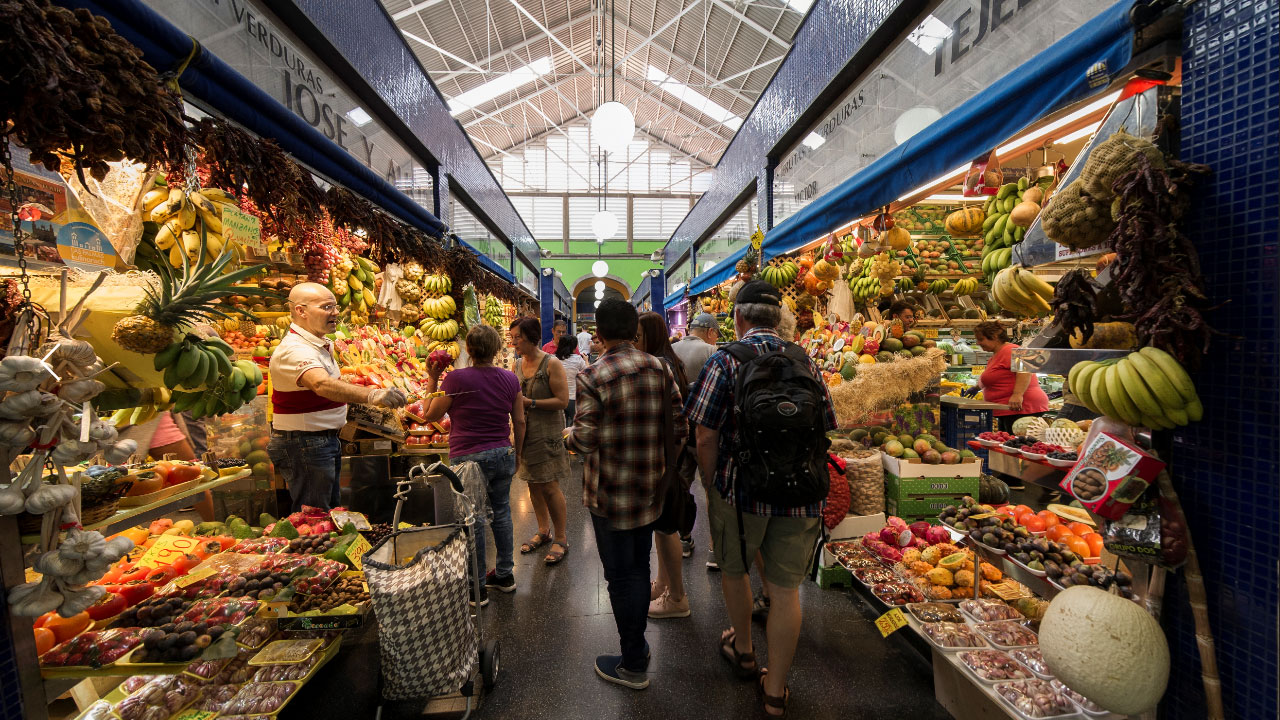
[(781, 443)]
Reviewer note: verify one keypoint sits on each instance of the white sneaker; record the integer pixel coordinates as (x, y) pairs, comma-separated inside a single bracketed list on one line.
[(665, 607)]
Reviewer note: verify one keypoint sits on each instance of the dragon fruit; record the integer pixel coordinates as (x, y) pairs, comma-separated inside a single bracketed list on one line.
[(891, 554), (888, 535), (936, 534), (904, 538), (897, 523), (440, 358), (919, 542), (919, 528)]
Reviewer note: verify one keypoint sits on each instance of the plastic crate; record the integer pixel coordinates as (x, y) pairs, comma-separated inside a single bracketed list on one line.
[(960, 424), (833, 577)]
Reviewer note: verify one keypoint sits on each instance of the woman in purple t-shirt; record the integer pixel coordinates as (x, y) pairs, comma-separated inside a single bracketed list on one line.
[(485, 404)]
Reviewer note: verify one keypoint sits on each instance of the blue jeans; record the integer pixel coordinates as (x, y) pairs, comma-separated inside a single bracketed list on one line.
[(309, 464), (497, 465), (625, 557)]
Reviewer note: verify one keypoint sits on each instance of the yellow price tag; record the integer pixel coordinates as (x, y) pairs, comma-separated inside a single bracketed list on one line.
[(931, 332), (356, 550), (977, 369), (403, 526), (889, 622), (194, 576), (757, 238), (167, 550)]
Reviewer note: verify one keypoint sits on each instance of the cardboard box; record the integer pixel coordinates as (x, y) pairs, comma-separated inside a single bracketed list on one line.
[(924, 507), (1110, 476), (358, 430), (375, 446), (900, 488), (970, 468)]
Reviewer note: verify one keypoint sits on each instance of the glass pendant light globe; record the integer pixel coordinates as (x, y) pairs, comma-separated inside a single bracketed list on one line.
[(599, 294), (600, 285), (599, 268), (604, 225), (597, 304), (612, 127)]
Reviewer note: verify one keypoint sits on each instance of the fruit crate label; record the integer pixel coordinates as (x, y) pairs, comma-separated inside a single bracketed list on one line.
[(890, 622), (241, 227), (274, 609), (342, 517), (304, 623), (167, 550), (356, 551), (931, 333)]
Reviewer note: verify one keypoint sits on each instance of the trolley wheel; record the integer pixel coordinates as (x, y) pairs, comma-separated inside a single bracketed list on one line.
[(490, 661)]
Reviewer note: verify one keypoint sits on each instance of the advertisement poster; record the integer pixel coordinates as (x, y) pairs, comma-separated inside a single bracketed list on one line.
[(42, 205)]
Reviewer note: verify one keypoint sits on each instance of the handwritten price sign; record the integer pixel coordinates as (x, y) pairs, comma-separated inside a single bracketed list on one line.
[(356, 551), (167, 550), (890, 622)]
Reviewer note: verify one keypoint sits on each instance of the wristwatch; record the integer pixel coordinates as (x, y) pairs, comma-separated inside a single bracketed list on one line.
[(534, 404)]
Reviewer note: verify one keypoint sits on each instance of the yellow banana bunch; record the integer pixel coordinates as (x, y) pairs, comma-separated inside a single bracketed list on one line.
[(966, 286), (1147, 388), (440, 307), (435, 285), (1019, 291), (176, 211)]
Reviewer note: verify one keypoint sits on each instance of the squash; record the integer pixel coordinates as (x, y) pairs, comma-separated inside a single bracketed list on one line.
[(992, 490), (897, 238), (1024, 214), (1106, 648), (966, 222), (824, 270)]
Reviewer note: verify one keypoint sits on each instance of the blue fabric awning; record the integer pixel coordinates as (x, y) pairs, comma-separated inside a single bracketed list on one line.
[(720, 272), (1052, 79), (672, 300)]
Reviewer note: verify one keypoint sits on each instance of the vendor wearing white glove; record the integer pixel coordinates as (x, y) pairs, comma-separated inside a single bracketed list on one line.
[(309, 400)]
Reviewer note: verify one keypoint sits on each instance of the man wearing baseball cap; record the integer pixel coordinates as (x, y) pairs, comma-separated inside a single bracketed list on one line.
[(741, 525), (694, 348)]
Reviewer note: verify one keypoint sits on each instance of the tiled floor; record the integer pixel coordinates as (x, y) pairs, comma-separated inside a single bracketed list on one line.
[(559, 619)]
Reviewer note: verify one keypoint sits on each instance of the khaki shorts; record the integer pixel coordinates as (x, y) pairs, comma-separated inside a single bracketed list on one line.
[(786, 543)]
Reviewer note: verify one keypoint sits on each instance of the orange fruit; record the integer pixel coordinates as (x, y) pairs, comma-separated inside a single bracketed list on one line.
[(45, 640), (1057, 532), (1022, 517), (1095, 544), (1050, 520), (1023, 509), (1078, 545), (1033, 523), (1081, 529)]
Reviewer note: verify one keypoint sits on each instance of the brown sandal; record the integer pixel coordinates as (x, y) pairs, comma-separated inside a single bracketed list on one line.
[(744, 664), (774, 701), (554, 556), (535, 542)]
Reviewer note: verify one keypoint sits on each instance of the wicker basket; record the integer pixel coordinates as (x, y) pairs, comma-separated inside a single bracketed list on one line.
[(100, 512)]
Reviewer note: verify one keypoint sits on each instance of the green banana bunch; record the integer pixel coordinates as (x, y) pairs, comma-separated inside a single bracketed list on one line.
[(864, 288), (1021, 292), (226, 395), (1146, 388), (781, 275), (193, 362)]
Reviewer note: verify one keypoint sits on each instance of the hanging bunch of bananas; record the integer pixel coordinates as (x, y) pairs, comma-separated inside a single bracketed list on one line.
[(781, 275), (176, 212), (224, 396), (440, 308), (193, 362), (161, 401), (995, 261), (351, 281), (1019, 291), (966, 286), (864, 288), (1146, 388), (494, 312), (905, 285), (937, 287), (439, 329), (211, 382), (436, 285)]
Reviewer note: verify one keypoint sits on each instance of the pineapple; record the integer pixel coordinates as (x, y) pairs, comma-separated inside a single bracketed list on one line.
[(183, 300), (749, 262), (248, 328)]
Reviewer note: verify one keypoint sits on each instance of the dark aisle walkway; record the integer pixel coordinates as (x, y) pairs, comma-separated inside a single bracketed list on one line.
[(559, 620)]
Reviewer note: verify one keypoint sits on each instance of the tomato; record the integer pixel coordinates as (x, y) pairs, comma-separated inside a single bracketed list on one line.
[(162, 575), (1081, 529), (1022, 518), (1023, 509), (66, 628), (134, 591), (1095, 544), (183, 564), (1032, 523), (1057, 532), (1009, 510), (45, 640), (1050, 520), (109, 605), (1078, 545), (183, 473)]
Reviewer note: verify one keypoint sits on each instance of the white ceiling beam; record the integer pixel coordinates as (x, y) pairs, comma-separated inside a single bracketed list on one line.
[(514, 49), (724, 82), (766, 32), (415, 8), (659, 31), (526, 98), (550, 34), (439, 49), (686, 114)]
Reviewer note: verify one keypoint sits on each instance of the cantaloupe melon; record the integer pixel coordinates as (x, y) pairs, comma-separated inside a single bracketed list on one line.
[(1106, 648)]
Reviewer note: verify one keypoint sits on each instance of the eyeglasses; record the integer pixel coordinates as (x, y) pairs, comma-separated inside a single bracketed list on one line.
[(327, 307)]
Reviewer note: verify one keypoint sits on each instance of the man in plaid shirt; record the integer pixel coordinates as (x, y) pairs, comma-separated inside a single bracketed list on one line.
[(784, 536), (618, 429)]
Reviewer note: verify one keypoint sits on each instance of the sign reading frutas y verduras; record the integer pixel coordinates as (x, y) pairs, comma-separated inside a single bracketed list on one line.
[(242, 227)]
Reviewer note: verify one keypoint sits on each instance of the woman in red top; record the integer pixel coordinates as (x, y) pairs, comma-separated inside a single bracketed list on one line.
[(1020, 391)]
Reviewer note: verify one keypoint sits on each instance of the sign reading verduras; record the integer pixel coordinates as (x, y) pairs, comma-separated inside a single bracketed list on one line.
[(959, 49), (254, 44)]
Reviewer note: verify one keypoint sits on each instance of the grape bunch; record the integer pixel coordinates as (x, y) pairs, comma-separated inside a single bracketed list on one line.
[(885, 269)]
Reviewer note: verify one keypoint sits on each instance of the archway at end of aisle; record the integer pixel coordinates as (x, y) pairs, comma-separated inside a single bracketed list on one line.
[(584, 288)]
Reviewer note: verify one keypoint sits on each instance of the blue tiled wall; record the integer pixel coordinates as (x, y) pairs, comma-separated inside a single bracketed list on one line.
[(1227, 468), (10, 691)]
